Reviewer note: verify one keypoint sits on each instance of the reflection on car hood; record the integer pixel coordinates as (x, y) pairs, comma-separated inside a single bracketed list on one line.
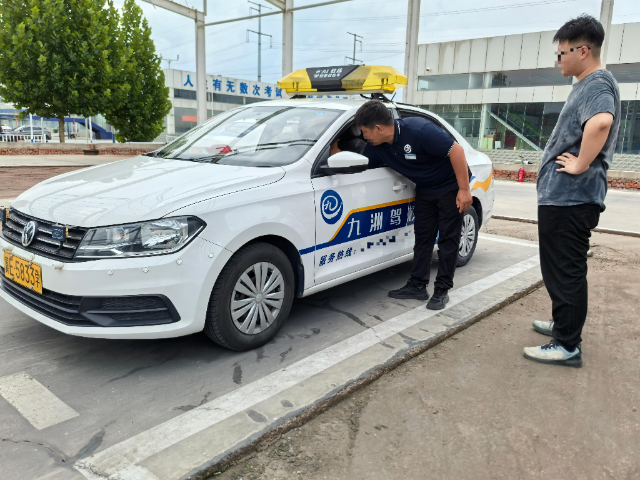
[(136, 189)]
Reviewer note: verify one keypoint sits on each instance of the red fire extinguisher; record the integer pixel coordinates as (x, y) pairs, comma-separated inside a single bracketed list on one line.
[(521, 175)]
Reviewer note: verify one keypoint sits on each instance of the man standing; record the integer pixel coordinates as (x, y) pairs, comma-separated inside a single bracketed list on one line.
[(572, 184), (432, 159)]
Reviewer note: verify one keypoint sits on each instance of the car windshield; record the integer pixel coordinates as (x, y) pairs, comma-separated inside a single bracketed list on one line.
[(258, 136)]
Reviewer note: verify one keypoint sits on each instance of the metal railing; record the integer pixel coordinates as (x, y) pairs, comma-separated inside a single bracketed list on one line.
[(18, 137)]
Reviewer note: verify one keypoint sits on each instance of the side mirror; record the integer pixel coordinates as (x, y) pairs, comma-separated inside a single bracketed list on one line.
[(346, 162)]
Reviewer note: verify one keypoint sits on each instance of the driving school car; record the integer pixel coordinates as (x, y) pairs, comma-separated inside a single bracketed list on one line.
[(221, 229)]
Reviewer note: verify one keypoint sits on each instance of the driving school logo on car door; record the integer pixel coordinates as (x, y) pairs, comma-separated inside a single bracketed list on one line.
[(331, 207)]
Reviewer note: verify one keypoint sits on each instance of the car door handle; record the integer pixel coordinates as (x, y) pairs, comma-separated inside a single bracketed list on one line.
[(399, 188)]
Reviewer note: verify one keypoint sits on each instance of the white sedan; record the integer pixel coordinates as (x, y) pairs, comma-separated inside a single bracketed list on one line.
[(219, 230)]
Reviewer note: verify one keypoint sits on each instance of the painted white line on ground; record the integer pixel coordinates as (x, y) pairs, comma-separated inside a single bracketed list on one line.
[(504, 240), (117, 459), (32, 399)]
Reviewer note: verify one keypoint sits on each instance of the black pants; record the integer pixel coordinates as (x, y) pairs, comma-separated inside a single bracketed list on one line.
[(564, 234), (436, 212)]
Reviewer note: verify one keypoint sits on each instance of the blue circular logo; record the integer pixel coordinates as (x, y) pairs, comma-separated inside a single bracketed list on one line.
[(331, 207)]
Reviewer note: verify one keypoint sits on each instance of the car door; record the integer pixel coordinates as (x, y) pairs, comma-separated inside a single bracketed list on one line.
[(362, 219)]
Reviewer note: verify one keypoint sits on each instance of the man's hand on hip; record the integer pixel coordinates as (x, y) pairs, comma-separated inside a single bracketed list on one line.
[(464, 200)]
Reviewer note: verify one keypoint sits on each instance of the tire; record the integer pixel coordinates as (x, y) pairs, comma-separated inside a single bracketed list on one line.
[(469, 236), (246, 324)]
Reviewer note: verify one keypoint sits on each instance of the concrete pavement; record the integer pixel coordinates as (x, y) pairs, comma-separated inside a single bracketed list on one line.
[(515, 199), (170, 409)]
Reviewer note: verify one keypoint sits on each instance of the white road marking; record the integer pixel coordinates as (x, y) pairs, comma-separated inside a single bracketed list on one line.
[(118, 459), (32, 399), (504, 240)]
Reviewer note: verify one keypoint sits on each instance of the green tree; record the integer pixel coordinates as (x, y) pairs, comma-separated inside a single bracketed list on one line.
[(140, 107), (57, 57)]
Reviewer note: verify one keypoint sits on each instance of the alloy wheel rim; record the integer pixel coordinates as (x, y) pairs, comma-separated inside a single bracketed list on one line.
[(257, 298), (468, 236)]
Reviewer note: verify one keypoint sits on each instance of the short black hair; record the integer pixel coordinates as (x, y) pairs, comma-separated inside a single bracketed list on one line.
[(585, 29), (373, 113)]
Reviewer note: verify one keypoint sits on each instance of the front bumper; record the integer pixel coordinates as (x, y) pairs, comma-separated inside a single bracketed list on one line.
[(185, 279)]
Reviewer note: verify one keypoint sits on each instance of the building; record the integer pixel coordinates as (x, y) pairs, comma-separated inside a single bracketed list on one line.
[(505, 92), (223, 94)]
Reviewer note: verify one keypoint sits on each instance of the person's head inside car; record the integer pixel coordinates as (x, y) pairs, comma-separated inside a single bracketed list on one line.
[(376, 122)]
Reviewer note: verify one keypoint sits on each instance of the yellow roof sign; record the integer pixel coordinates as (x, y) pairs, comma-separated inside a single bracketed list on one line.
[(349, 79)]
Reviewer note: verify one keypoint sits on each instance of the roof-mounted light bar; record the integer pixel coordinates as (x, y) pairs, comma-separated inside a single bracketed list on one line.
[(352, 79)]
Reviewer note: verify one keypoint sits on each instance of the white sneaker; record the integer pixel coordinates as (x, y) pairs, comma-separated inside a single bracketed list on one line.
[(554, 354), (543, 327)]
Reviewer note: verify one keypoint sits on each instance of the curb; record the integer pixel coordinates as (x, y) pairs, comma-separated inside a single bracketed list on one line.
[(597, 230), (270, 436)]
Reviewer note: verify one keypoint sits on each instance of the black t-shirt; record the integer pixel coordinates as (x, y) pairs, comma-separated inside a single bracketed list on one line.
[(420, 152)]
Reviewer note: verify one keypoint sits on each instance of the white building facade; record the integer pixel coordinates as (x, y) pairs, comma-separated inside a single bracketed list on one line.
[(223, 93), (506, 91)]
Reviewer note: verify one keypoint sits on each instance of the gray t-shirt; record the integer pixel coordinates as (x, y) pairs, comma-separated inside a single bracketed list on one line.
[(596, 93)]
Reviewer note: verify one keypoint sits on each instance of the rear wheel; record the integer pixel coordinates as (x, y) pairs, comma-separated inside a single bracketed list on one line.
[(468, 237), (251, 299)]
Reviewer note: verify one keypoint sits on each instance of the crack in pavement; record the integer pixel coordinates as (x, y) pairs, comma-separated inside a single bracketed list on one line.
[(17, 442), (324, 305)]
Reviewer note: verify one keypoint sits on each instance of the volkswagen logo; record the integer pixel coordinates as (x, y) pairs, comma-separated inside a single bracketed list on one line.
[(331, 207), (407, 148), (29, 233)]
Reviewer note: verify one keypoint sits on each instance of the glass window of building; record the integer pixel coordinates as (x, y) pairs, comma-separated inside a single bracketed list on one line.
[(539, 77), (629, 132), (187, 118), (525, 126), (626, 72), (464, 118), (182, 93), (464, 81)]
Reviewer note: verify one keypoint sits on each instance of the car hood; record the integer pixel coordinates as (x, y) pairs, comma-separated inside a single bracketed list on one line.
[(136, 189)]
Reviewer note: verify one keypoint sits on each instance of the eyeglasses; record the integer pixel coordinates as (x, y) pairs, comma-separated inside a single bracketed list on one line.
[(572, 49)]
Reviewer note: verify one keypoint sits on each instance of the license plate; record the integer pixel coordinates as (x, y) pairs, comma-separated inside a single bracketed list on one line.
[(23, 272)]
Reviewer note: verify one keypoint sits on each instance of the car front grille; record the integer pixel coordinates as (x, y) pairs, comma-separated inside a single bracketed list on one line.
[(43, 243), (130, 311)]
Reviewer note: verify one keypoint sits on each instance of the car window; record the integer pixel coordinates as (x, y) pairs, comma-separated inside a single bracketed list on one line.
[(349, 141), (259, 136)]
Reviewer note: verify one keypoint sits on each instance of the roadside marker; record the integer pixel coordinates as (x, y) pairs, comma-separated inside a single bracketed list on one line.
[(32, 399), (118, 460)]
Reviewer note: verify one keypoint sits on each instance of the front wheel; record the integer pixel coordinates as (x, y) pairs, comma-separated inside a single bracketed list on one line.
[(468, 237), (251, 299)]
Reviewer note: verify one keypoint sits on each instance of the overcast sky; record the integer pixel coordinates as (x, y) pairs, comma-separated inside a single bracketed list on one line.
[(320, 34)]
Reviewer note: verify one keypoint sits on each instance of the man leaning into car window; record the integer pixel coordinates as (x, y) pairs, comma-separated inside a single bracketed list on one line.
[(432, 159)]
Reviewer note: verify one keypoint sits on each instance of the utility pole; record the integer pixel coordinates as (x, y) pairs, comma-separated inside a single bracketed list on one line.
[(606, 12), (169, 60), (411, 50), (355, 40), (286, 9), (201, 63), (260, 34)]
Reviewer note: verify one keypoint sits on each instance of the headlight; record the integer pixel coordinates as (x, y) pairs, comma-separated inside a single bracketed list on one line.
[(157, 237)]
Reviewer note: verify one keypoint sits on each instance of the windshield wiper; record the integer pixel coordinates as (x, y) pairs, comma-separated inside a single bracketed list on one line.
[(150, 154)]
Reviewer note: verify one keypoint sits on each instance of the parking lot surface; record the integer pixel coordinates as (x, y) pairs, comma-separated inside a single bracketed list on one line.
[(165, 408), (473, 407)]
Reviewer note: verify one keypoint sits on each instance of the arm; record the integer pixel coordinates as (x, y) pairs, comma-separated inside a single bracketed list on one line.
[(461, 169), (334, 148), (595, 134)]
